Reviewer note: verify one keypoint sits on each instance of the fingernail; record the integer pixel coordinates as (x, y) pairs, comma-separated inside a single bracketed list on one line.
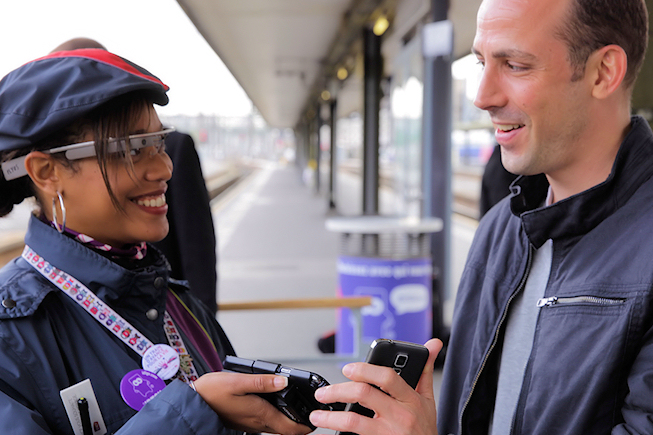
[(347, 370), (316, 417), (280, 381), (320, 393)]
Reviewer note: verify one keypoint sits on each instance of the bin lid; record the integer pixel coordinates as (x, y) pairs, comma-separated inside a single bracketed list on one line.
[(383, 224)]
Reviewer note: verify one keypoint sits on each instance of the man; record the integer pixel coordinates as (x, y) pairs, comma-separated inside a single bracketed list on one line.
[(551, 330), (553, 326)]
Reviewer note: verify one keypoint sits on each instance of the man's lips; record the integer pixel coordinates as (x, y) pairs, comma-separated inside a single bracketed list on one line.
[(505, 128)]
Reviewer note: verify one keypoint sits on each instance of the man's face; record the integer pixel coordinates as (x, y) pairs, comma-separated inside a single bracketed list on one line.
[(538, 113)]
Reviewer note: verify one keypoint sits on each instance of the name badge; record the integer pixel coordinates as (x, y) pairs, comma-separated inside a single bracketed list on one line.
[(70, 398)]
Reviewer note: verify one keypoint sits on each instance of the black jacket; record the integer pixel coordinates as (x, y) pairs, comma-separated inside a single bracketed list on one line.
[(591, 367), (190, 245)]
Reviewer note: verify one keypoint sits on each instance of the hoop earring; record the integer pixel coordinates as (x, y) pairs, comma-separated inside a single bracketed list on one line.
[(54, 214)]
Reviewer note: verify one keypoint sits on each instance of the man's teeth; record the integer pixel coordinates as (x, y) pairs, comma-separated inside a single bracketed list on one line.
[(508, 127), (159, 201)]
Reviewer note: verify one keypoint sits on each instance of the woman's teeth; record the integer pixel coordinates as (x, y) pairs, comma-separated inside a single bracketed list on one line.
[(159, 201)]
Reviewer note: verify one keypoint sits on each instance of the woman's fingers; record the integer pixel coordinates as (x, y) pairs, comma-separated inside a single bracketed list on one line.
[(234, 397)]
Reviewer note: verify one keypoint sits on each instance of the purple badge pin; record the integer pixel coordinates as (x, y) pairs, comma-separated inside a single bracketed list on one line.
[(139, 387)]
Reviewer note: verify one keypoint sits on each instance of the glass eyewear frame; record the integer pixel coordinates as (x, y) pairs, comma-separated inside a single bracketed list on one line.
[(15, 168)]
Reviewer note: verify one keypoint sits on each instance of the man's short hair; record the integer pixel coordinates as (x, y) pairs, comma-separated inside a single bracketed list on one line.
[(593, 24)]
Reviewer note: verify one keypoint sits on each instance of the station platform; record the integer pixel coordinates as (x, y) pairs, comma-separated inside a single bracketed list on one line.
[(273, 244)]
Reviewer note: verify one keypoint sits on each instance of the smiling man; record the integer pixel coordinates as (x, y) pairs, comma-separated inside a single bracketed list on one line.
[(553, 326)]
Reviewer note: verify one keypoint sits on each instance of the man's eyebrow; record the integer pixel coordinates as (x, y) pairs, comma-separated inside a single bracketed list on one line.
[(509, 54)]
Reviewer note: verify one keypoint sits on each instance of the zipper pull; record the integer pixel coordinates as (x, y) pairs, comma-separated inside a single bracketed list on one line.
[(547, 302)]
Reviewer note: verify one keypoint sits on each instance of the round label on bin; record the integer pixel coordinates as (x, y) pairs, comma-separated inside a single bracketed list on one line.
[(139, 387)]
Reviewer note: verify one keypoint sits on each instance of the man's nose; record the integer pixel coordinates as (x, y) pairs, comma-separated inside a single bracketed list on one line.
[(490, 93)]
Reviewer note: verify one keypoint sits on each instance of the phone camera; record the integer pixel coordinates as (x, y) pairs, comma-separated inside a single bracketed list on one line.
[(401, 360)]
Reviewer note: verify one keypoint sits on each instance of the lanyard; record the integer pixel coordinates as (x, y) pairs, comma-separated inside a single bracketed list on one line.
[(106, 316)]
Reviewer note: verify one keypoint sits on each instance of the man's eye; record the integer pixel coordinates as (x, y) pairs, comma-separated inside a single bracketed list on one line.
[(514, 67)]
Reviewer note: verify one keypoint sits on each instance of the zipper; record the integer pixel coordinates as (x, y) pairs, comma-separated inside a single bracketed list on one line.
[(520, 287), (593, 300)]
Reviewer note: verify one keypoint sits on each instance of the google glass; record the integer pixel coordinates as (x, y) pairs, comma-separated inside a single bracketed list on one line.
[(15, 168)]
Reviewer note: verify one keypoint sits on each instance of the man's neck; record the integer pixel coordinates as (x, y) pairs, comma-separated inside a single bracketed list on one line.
[(594, 162)]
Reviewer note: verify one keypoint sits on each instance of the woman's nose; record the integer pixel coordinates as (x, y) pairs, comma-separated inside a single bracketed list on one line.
[(159, 165)]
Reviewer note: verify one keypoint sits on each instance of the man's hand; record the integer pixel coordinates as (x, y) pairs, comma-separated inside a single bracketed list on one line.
[(232, 396), (402, 411)]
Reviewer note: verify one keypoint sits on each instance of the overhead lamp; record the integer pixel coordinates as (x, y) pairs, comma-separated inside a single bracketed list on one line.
[(342, 73), (326, 95), (381, 25)]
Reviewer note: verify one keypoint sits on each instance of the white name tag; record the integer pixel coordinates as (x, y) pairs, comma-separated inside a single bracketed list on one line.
[(70, 397)]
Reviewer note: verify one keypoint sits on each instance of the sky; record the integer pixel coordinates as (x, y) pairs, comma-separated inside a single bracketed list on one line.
[(155, 34)]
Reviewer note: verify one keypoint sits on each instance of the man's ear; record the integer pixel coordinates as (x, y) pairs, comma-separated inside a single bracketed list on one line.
[(42, 170), (607, 67)]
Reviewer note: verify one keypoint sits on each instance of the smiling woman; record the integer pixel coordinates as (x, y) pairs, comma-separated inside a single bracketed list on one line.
[(89, 305)]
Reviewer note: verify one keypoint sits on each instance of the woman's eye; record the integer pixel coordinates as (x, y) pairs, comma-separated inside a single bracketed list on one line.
[(135, 152)]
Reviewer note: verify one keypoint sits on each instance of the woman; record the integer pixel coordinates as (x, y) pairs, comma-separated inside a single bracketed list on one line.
[(89, 305)]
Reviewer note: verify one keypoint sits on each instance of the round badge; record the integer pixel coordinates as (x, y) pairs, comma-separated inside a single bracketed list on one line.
[(162, 360), (139, 387)]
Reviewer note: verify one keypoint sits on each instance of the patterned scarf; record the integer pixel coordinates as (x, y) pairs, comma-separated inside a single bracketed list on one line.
[(136, 251)]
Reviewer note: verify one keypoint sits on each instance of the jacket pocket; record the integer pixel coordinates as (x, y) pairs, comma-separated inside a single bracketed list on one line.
[(579, 300)]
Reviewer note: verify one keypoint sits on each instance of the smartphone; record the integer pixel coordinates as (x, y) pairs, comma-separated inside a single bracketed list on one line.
[(297, 400), (407, 359)]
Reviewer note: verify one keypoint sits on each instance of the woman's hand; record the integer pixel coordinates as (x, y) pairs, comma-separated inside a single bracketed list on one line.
[(231, 395), (402, 411)]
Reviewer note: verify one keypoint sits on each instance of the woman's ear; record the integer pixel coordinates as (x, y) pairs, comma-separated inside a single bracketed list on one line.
[(42, 169), (608, 67)]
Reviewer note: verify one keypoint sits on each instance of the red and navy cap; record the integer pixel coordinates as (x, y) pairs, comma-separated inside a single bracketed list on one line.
[(47, 94)]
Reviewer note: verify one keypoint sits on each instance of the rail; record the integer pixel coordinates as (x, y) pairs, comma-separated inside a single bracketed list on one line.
[(354, 303), (465, 186)]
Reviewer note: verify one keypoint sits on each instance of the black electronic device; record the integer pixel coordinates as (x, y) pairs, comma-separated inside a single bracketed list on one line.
[(297, 400), (407, 359)]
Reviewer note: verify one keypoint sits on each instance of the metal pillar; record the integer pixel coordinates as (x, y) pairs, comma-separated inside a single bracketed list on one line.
[(333, 105), (372, 97), (318, 150), (305, 146), (299, 146), (437, 165)]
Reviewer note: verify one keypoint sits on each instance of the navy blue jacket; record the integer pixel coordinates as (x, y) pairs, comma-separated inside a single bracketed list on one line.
[(48, 343), (591, 367)]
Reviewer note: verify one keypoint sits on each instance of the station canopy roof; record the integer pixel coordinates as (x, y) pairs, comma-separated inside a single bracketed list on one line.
[(282, 51)]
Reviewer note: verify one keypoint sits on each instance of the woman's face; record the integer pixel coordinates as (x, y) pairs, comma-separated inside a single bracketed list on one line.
[(140, 194)]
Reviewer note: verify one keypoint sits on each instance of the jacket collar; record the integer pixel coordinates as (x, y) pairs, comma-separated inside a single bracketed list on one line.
[(582, 212), (106, 279)]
